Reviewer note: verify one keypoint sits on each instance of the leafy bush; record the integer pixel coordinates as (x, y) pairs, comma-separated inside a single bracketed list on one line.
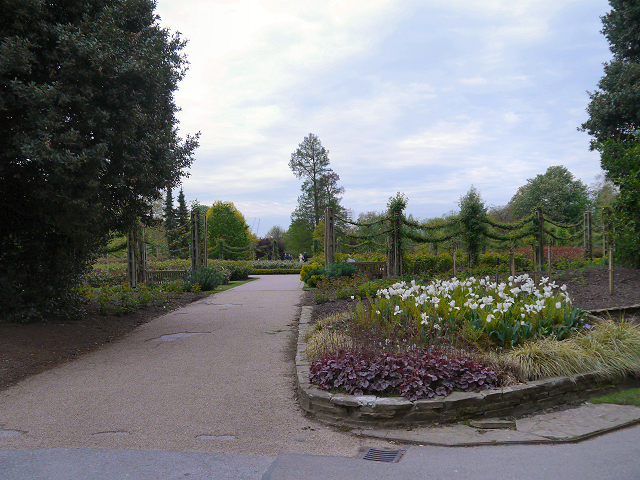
[(428, 264), (311, 274), (275, 271), (344, 269), (208, 278), (414, 374), (123, 299), (112, 274), (238, 270)]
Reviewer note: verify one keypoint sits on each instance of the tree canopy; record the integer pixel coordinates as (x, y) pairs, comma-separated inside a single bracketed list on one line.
[(320, 187), (228, 231), (561, 197), (614, 109), (614, 123), (88, 138)]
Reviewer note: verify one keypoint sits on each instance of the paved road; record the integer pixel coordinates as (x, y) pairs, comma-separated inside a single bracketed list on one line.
[(206, 392)]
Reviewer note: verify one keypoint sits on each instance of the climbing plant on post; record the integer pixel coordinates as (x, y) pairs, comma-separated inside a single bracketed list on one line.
[(396, 208), (329, 237), (472, 216), (539, 223)]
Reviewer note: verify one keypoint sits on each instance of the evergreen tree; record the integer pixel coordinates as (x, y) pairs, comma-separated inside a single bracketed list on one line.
[(320, 187), (170, 223), (183, 227), (88, 139), (614, 123)]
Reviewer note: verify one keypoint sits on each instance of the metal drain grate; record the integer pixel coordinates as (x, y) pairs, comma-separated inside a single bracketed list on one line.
[(388, 456)]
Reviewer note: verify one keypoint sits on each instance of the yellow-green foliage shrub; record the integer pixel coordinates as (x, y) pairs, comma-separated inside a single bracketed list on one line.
[(311, 274)]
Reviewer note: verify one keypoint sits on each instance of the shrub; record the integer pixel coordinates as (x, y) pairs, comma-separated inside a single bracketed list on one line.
[(275, 271), (311, 274), (123, 299), (238, 270), (208, 278), (344, 269), (414, 374)]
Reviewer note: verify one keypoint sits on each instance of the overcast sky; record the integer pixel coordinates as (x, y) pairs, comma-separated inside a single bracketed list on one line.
[(424, 97)]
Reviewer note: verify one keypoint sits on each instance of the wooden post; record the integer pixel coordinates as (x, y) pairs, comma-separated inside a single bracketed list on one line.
[(608, 234), (535, 266), (131, 260), (206, 243), (453, 254), (195, 241), (329, 237), (588, 239), (142, 257)]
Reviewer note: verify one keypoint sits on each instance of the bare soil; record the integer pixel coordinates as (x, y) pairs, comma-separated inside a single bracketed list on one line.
[(29, 349)]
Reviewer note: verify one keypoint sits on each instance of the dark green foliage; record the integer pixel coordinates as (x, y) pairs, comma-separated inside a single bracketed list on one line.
[(299, 237), (122, 299), (206, 279), (472, 214), (183, 227), (614, 111), (169, 215), (561, 197), (614, 123), (343, 269), (320, 187), (88, 139)]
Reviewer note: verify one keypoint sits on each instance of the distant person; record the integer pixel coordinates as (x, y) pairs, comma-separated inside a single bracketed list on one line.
[(305, 256), (301, 258)]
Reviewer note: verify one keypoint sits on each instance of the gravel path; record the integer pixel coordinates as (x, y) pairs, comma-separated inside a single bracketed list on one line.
[(215, 376)]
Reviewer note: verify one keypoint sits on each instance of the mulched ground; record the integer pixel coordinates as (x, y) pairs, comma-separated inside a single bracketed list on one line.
[(29, 349)]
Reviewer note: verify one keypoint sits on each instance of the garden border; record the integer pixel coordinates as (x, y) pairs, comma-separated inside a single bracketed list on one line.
[(514, 401)]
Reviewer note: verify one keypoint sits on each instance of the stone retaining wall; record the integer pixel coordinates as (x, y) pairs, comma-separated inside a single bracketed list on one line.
[(397, 411)]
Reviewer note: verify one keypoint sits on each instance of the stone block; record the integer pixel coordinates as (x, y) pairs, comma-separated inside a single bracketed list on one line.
[(346, 400), (396, 404), (469, 401), (425, 417)]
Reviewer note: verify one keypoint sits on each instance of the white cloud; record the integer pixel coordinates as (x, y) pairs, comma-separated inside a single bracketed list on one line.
[(424, 97)]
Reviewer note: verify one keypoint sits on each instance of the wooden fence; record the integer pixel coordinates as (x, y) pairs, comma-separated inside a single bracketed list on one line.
[(372, 269), (161, 277)]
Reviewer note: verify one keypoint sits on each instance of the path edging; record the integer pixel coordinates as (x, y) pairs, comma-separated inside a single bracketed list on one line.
[(368, 410)]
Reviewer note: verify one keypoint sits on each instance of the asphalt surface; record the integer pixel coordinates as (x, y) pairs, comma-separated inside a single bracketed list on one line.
[(207, 392)]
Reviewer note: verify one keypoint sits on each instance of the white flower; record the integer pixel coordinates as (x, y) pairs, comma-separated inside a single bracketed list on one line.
[(559, 305), (489, 318), (352, 297)]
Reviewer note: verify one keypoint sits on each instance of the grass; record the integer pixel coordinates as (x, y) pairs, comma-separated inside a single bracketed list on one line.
[(611, 349), (230, 285), (625, 397)]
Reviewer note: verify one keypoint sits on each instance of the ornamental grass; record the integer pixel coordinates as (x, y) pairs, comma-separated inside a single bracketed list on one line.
[(610, 349)]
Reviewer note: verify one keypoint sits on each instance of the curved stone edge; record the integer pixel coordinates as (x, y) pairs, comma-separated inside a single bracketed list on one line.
[(515, 401)]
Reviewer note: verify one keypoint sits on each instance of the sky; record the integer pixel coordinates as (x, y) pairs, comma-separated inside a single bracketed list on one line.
[(423, 97)]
